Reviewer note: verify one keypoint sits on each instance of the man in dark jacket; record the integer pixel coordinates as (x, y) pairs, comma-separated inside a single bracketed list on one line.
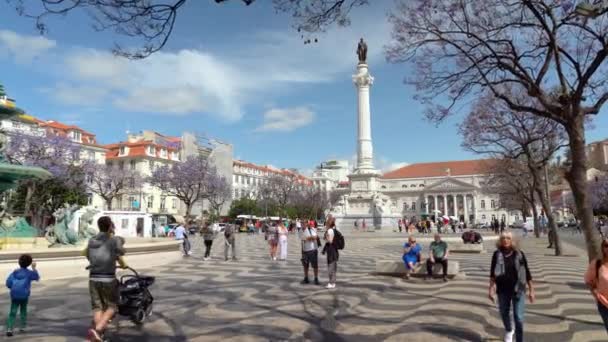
[(103, 251)]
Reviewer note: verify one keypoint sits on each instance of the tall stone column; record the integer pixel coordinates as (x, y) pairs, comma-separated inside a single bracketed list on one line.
[(365, 154), (466, 209), (445, 205), (476, 219), (436, 207)]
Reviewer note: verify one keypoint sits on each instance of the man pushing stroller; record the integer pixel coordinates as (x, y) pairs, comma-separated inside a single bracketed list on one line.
[(103, 252)]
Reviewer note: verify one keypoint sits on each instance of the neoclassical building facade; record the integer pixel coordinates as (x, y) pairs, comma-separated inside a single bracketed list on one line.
[(454, 189)]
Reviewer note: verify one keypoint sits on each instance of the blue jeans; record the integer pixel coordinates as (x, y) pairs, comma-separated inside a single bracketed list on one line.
[(505, 300), (604, 313)]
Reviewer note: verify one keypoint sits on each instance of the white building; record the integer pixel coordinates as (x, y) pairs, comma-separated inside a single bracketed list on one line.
[(329, 174), (144, 155), (89, 149), (248, 177), (453, 189)]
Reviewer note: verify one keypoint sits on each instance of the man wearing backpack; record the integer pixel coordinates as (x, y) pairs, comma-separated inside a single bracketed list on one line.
[(103, 251), (334, 241)]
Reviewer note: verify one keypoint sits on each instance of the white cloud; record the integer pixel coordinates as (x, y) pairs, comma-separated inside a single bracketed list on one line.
[(249, 69), (286, 119), (24, 48), (385, 165), (181, 100), (79, 95)]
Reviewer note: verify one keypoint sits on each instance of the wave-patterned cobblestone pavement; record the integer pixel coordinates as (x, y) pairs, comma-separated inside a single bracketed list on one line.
[(256, 299)]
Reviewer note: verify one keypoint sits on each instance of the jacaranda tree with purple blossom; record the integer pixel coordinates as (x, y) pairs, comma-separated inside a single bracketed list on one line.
[(58, 155), (217, 191), (110, 181), (184, 180), (542, 48)]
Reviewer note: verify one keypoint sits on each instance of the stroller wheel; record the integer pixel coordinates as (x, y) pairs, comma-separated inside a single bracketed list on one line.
[(139, 316), (149, 310)]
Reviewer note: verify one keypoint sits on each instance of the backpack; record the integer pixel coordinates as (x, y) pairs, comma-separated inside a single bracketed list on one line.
[(339, 238)]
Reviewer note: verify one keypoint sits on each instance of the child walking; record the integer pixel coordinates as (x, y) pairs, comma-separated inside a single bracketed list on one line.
[(20, 282)]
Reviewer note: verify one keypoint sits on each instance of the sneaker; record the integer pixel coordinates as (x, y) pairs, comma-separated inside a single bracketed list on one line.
[(333, 286), (426, 278), (406, 277), (305, 281), (445, 279), (317, 281), (329, 286), (9, 333), (509, 336), (226, 259), (235, 259), (205, 258)]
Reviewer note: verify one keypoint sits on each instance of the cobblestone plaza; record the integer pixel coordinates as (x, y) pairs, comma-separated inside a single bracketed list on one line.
[(256, 299)]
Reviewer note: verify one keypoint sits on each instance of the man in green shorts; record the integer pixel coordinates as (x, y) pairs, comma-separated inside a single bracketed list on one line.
[(438, 253), (103, 251)]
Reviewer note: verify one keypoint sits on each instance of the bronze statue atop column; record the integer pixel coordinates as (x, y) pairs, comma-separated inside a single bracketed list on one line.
[(362, 52)]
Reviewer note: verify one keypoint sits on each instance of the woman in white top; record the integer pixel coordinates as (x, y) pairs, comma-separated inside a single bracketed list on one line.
[(283, 241)]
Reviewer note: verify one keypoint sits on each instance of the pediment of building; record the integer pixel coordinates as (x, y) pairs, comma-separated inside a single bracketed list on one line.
[(449, 184)]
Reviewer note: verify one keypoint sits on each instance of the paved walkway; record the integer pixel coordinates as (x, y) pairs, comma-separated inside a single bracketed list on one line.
[(256, 299)]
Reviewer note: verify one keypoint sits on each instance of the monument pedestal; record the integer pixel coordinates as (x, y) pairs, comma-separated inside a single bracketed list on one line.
[(365, 201)]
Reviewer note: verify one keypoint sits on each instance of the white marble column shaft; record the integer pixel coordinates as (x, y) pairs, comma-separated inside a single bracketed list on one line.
[(365, 154)]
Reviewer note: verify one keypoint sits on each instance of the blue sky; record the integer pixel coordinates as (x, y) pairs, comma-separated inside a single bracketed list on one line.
[(240, 74)]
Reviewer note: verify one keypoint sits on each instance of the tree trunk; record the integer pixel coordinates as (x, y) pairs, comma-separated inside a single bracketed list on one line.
[(577, 178), (108, 203), (535, 213), (188, 209), (556, 243)]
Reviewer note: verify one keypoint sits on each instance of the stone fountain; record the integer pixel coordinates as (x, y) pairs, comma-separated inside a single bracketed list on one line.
[(10, 174)]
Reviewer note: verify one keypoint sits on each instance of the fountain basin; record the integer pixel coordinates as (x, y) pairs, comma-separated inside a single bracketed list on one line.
[(68, 262)]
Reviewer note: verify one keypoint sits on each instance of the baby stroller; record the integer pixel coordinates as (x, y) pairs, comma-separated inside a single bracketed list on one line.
[(135, 299)]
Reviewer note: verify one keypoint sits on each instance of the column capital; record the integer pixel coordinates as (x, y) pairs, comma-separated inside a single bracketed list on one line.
[(363, 80)]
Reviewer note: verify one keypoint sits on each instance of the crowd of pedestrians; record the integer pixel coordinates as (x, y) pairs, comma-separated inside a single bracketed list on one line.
[(510, 279)]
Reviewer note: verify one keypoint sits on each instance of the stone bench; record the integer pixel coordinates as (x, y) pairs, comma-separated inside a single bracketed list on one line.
[(397, 268), (466, 248)]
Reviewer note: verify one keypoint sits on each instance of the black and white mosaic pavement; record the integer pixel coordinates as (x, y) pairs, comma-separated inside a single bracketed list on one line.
[(256, 299)]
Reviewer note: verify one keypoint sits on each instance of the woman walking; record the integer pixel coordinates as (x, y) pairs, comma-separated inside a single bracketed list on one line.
[(509, 277), (208, 236), (596, 278), (272, 238), (331, 250), (282, 232)]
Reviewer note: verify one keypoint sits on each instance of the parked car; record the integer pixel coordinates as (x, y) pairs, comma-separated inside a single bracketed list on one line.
[(481, 226), (528, 226), (518, 224)]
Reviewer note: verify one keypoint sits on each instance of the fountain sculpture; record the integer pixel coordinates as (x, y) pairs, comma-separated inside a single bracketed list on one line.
[(10, 174)]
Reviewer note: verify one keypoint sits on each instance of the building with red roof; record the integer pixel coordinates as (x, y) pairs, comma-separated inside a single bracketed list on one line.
[(248, 177)]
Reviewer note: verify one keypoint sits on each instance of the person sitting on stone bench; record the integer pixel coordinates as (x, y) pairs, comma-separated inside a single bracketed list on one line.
[(411, 255), (438, 254), (471, 237)]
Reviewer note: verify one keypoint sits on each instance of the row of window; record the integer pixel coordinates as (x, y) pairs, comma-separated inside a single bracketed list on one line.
[(133, 202), (151, 151), (404, 186), (239, 179), (482, 205)]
